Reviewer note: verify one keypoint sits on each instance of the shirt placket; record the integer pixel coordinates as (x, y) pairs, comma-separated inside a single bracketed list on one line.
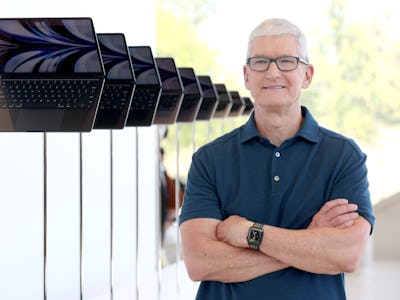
[(277, 174)]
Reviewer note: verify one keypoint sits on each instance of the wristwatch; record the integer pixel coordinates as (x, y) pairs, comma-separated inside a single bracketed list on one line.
[(255, 236)]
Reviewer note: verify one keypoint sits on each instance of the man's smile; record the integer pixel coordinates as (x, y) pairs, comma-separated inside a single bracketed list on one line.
[(274, 87)]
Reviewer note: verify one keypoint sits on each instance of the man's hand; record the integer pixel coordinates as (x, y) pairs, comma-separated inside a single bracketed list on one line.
[(233, 231), (338, 213)]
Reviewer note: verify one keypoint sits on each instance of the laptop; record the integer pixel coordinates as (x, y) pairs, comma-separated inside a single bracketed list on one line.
[(172, 91), (249, 106), (119, 85), (225, 101), (51, 74), (237, 104), (210, 98), (148, 87), (192, 95)]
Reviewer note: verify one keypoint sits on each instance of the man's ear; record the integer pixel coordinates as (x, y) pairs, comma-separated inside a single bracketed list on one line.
[(246, 76), (308, 76)]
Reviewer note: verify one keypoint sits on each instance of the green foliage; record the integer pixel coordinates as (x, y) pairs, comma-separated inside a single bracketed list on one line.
[(195, 10), (178, 37), (355, 88)]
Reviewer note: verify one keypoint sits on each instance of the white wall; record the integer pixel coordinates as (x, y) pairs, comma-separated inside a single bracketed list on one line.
[(386, 242), (91, 225)]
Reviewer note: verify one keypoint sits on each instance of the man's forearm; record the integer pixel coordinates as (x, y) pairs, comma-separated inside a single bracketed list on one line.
[(230, 264), (320, 250), (206, 258)]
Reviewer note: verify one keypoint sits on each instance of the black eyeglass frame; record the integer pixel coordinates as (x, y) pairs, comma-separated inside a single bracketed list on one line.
[(271, 60)]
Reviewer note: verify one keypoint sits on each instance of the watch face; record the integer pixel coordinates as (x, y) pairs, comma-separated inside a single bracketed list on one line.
[(254, 237)]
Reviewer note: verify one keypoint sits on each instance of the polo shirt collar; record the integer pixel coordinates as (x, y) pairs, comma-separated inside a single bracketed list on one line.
[(308, 131)]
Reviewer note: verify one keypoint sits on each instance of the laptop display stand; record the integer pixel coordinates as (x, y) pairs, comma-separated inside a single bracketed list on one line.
[(44, 215)]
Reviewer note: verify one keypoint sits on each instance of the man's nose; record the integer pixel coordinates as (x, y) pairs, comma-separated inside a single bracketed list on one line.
[(273, 69)]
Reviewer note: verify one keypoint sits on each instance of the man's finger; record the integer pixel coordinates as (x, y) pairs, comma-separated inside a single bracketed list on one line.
[(345, 224), (342, 219), (331, 204), (341, 210)]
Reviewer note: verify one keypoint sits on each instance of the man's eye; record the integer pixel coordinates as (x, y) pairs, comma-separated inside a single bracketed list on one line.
[(287, 61), (261, 62)]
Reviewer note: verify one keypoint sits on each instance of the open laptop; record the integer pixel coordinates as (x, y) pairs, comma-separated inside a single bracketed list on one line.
[(238, 104), (192, 95), (171, 93), (51, 74), (119, 85), (249, 106), (148, 87), (210, 98), (225, 101)]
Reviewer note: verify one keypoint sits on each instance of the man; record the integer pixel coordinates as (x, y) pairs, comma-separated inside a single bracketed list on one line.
[(278, 208)]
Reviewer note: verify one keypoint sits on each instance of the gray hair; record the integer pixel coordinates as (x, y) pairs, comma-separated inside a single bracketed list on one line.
[(277, 26)]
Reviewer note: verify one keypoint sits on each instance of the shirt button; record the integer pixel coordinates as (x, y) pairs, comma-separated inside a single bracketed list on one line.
[(277, 178), (277, 154)]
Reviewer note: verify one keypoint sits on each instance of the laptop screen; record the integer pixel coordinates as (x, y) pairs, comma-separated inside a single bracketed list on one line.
[(237, 104), (114, 53), (168, 74), (143, 65), (189, 81), (222, 93), (225, 101), (207, 87), (49, 46)]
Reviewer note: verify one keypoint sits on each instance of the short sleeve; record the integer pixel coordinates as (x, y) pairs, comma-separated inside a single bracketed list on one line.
[(352, 184), (201, 200)]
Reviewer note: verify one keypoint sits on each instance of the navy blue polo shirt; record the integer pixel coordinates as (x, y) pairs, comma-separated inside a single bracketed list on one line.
[(242, 173)]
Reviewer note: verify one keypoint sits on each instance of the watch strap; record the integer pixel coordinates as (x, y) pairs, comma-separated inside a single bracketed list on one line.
[(258, 225)]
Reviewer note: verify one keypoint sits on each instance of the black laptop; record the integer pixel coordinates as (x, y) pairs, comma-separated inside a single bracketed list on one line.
[(192, 95), (225, 101), (51, 74), (119, 85), (238, 104), (172, 91), (148, 87), (249, 106), (210, 98)]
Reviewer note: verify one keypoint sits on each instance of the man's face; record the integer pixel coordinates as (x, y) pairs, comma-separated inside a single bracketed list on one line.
[(275, 88)]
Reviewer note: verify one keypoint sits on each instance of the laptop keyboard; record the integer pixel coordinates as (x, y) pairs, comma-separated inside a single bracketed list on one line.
[(168, 102), (115, 96), (144, 98), (48, 93), (190, 101)]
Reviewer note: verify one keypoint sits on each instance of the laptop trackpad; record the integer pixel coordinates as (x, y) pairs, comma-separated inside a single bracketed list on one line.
[(39, 120)]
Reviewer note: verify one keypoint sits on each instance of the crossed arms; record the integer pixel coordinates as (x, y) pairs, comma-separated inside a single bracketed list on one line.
[(333, 243)]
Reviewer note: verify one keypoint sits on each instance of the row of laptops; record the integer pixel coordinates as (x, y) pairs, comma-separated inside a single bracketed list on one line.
[(57, 74)]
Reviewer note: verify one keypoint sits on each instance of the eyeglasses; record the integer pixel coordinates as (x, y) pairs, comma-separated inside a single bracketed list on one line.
[(284, 63)]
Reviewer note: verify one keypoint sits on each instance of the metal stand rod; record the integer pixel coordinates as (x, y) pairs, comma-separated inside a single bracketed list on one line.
[(158, 218), (111, 217), (193, 137), (177, 205), (137, 212), (80, 217), (44, 215), (208, 130)]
